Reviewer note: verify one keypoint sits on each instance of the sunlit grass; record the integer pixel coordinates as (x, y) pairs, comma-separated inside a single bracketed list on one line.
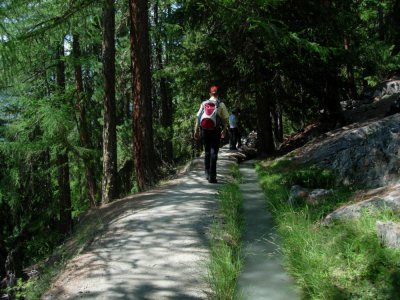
[(344, 260), (225, 245)]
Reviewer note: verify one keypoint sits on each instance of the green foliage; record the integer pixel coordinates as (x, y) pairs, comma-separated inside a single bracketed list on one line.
[(312, 177), (344, 260), (288, 53)]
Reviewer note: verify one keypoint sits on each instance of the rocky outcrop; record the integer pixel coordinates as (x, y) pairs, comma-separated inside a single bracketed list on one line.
[(364, 154), (388, 87), (380, 198)]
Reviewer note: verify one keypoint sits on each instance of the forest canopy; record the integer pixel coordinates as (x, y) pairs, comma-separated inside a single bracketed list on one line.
[(98, 98)]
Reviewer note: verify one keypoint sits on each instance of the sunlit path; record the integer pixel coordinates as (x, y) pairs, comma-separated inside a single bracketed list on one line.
[(156, 250)]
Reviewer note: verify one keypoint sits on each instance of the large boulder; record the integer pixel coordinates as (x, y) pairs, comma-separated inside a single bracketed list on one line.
[(387, 87), (376, 199), (364, 154)]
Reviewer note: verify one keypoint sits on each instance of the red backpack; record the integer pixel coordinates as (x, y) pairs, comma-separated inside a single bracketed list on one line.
[(209, 118)]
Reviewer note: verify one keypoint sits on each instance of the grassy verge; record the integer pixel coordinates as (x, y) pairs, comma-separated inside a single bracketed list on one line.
[(344, 260), (225, 263)]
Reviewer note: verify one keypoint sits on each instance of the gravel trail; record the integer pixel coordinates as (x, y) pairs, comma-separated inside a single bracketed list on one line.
[(155, 250)]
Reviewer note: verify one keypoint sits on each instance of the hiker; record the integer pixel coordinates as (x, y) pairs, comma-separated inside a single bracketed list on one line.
[(234, 137), (212, 118)]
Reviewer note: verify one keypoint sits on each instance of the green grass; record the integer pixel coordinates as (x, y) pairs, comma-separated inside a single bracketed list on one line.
[(344, 260), (225, 234)]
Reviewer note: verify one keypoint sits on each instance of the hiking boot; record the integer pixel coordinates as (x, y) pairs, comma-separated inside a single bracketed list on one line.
[(212, 180), (207, 176)]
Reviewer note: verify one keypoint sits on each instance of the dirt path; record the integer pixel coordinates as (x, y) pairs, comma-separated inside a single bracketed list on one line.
[(157, 250)]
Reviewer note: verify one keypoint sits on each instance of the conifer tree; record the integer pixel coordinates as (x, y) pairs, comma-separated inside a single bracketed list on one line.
[(143, 145), (109, 181), (83, 128), (64, 189), (165, 97)]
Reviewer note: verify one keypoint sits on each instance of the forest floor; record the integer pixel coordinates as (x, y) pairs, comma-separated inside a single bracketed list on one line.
[(153, 245)]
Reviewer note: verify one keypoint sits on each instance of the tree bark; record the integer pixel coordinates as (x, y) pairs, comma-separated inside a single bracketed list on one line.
[(64, 188), (395, 31), (109, 181), (64, 193), (276, 116), (265, 141), (350, 73), (83, 132), (264, 106), (166, 101), (143, 145)]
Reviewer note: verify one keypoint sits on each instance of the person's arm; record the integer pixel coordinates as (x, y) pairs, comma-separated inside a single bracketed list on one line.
[(225, 119), (224, 122), (196, 133), (196, 130)]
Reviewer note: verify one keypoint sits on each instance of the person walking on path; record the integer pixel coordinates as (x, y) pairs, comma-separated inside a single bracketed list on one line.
[(211, 134), (234, 138)]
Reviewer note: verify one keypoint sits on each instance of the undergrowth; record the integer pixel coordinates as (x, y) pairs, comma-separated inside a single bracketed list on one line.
[(48, 269), (344, 260), (225, 234)]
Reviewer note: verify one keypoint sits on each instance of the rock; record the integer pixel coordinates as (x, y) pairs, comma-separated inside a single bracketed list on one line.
[(317, 195), (381, 198), (388, 87), (250, 140), (309, 195), (365, 154), (298, 192), (389, 233), (354, 210)]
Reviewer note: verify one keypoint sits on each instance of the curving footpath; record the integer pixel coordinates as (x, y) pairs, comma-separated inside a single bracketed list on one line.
[(156, 249)]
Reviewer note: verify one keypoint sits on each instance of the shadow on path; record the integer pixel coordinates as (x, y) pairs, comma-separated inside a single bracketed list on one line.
[(155, 250)]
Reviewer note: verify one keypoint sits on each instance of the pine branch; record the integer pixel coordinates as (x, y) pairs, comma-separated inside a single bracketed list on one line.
[(46, 25)]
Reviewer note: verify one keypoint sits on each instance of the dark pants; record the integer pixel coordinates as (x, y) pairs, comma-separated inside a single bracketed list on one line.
[(233, 138), (211, 140)]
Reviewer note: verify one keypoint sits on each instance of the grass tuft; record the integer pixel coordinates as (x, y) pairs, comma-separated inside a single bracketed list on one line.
[(225, 234)]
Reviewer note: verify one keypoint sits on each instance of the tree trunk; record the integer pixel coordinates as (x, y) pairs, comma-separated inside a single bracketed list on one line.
[(381, 26), (64, 188), (276, 116), (395, 31), (265, 135), (109, 181), (144, 158), (166, 101), (83, 132), (265, 141), (64, 192), (350, 73)]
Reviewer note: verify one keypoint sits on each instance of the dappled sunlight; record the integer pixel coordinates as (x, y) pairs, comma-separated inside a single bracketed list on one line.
[(157, 250)]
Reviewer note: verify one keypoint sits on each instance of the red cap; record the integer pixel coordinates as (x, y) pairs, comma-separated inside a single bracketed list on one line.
[(213, 90)]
